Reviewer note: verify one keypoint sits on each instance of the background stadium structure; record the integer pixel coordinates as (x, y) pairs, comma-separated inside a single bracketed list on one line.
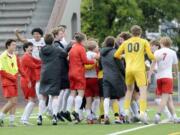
[(28, 14)]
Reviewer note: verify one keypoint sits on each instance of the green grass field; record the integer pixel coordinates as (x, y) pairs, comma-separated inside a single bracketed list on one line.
[(84, 129)]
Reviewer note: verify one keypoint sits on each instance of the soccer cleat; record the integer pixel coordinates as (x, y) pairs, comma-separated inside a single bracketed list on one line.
[(66, 115), (76, 117), (117, 119), (176, 120), (1, 123), (59, 117), (106, 120), (101, 119), (90, 121), (122, 118), (157, 119), (143, 118), (54, 120), (135, 119), (127, 119), (39, 120)]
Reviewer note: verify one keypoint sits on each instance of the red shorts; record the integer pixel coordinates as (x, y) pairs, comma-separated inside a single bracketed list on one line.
[(77, 83), (10, 91), (28, 92), (92, 87), (164, 85)]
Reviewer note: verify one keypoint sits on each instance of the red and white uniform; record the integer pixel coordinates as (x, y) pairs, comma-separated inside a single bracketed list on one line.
[(37, 45), (92, 86), (77, 60), (165, 59), (29, 65)]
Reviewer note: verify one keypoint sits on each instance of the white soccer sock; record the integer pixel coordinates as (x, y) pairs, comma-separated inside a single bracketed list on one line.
[(27, 111), (165, 110), (121, 106), (81, 116), (42, 106), (88, 113), (78, 103), (2, 116), (95, 106), (135, 108), (55, 106), (11, 118), (49, 106), (106, 106), (65, 97), (37, 89), (70, 103), (60, 100)]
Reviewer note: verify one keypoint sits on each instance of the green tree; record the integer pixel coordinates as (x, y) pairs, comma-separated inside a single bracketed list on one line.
[(109, 17)]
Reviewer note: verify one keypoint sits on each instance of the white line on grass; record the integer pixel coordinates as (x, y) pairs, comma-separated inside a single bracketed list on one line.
[(135, 129), (130, 130)]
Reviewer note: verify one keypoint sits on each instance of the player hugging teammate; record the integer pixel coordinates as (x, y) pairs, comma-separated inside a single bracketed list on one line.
[(79, 79)]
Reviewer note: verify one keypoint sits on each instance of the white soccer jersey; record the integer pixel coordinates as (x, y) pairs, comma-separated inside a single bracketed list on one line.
[(91, 73), (37, 45), (165, 59)]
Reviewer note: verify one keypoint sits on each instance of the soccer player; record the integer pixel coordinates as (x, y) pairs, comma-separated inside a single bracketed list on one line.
[(166, 60), (113, 79), (92, 88), (59, 34), (9, 67), (51, 72), (38, 43), (77, 61), (155, 45), (134, 50), (28, 64)]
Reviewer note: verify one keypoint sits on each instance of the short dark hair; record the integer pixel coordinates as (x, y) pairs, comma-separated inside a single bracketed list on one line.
[(8, 42), (48, 38), (125, 35), (39, 30), (156, 43), (26, 45), (109, 41)]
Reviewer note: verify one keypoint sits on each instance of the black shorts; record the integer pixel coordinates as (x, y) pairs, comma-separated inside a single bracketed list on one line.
[(65, 84), (113, 90), (100, 81)]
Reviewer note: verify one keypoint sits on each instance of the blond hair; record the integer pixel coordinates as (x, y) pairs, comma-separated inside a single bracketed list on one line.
[(91, 45), (166, 41), (56, 30)]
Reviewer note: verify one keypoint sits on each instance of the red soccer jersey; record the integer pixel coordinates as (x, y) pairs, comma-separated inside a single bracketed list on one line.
[(29, 65), (77, 60)]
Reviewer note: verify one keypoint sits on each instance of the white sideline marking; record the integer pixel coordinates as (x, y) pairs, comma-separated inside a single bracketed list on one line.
[(130, 130), (136, 128)]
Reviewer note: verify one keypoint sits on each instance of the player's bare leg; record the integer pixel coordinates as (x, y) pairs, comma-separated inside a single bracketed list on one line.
[(127, 102), (7, 108), (163, 103), (171, 107)]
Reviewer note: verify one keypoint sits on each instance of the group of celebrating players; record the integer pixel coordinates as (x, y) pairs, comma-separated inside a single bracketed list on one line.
[(70, 80)]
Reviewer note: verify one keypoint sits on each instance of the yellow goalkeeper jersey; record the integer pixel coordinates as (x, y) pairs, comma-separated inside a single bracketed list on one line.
[(134, 50)]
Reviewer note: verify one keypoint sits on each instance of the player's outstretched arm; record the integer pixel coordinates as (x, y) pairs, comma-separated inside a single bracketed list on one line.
[(152, 67), (20, 37)]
